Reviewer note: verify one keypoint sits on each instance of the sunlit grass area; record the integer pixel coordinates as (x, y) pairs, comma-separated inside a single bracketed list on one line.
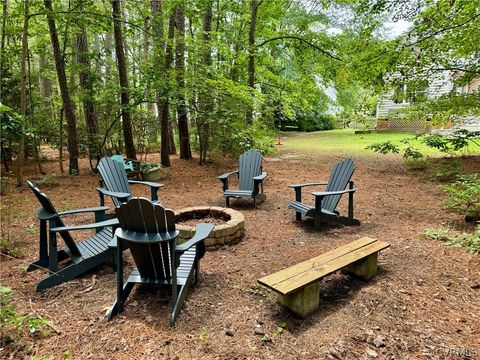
[(346, 142)]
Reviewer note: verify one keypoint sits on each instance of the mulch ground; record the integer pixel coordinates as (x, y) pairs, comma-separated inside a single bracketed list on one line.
[(423, 303)]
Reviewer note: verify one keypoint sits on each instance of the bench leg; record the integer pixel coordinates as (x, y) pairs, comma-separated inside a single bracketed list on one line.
[(302, 302), (365, 269)]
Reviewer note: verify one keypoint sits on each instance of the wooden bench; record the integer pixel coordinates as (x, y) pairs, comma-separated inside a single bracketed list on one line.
[(298, 286)]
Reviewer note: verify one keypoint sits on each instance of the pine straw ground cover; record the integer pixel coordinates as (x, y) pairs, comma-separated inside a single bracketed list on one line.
[(423, 303)]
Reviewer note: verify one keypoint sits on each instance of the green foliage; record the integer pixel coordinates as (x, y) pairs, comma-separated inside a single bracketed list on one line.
[(15, 327), (314, 121), (469, 241), (384, 148), (10, 123), (463, 196)]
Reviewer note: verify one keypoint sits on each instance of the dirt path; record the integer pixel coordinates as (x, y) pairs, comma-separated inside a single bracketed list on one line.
[(422, 303)]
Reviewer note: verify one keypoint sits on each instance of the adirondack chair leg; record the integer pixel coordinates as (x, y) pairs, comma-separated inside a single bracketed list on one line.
[(227, 201), (53, 252), (350, 200), (178, 302), (364, 269), (117, 307), (43, 260)]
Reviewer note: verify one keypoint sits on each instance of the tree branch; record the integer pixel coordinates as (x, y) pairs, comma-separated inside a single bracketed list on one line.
[(302, 40)]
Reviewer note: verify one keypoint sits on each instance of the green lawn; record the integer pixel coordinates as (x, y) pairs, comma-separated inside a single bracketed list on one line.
[(346, 142)]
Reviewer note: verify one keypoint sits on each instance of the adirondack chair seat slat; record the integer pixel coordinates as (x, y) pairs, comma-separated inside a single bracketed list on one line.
[(148, 230), (298, 285), (324, 209), (84, 255), (233, 193)]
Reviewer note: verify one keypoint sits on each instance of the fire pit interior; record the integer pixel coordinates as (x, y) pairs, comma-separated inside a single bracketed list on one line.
[(229, 225)]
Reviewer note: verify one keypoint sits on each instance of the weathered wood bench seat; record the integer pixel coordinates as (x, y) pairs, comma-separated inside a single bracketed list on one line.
[(298, 286)]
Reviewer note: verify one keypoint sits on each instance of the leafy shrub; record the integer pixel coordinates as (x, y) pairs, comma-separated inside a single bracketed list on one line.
[(147, 166), (15, 327), (383, 148), (471, 242), (315, 121), (463, 196)]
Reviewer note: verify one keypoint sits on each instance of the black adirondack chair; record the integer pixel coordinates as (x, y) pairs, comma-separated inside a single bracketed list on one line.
[(250, 178), (326, 202), (115, 183), (148, 230), (83, 255)]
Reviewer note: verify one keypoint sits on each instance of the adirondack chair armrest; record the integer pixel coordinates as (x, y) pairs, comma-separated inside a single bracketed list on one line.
[(227, 175), (147, 183), (119, 195), (101, 224), (260, 177), (295, 186), (202, 231), (331, 193), (153, 187), (79, 211), (224, 178)]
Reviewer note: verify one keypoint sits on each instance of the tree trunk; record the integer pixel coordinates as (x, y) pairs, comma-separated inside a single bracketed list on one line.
[(67, 103), (23, 95), (86, 84), (161, 94), (123, 77), (205, 100), (108, 56), (183, 132), (251, 54), (2, 43)]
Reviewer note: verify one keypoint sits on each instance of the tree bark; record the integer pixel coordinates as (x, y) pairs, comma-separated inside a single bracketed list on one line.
[(205, 100), (183, 132), (86, 84), (67, 102), (161, 94), (251, 53), (2, 42), (123, 77), (23, 94), (168, 65)]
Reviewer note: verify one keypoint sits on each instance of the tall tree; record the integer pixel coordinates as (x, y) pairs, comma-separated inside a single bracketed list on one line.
[(251, 51), (23, 95), (205, 100), (67, 102), (86, 84), (2, 42), (183, 132), (161, 93), (123, 77)]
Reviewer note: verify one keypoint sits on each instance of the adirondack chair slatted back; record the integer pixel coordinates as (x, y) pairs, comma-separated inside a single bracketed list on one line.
[(140, 216), (250, 165), (49, 211), (339, 177), (114, 177)]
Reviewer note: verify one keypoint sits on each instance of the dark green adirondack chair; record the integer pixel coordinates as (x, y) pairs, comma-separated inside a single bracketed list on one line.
[(326, 202), (250, 178), (83, 255), (148, 230), (115, 183)]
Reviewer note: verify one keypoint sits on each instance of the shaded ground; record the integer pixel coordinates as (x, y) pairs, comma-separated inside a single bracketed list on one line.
[(422, 304)]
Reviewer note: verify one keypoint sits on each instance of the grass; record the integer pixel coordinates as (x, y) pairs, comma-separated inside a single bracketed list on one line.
[(346, 142)]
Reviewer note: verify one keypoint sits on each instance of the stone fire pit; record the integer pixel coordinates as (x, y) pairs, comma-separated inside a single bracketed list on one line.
[(225, 234)]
